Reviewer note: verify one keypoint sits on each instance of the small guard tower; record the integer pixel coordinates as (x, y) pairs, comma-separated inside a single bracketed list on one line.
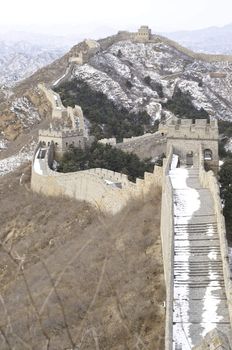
[(187, 135)]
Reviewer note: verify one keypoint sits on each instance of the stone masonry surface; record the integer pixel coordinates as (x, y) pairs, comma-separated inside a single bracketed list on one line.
[(200, 302)]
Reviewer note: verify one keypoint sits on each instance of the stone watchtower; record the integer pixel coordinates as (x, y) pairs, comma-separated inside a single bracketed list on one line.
[(143, 34), (186, 136)]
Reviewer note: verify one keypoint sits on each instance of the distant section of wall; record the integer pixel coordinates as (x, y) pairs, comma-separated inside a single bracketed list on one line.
[(208, 180), (77, 119), (58, 110), (85, 50), (109, 191), (111, 141), (167, 237), (145, 146)]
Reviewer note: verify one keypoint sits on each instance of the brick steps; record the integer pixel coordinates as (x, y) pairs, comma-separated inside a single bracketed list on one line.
[(199, 292)]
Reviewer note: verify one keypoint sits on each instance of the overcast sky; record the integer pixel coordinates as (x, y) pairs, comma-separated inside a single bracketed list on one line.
[(87, 16)]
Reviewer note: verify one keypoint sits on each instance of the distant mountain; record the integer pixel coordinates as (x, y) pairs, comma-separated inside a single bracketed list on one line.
[(20, 59), (209, 40)]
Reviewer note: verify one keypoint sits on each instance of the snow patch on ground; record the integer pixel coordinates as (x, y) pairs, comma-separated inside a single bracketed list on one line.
[(228, 146), (3, 144), (25, 112), (199, 99), (186, 203), (154, 110), (100, 81), (174, 161), (10, 164)]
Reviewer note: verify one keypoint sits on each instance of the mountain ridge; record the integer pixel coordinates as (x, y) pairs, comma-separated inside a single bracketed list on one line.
[(212, 39), (190, 70)]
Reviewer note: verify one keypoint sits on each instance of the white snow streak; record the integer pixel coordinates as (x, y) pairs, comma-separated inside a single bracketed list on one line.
[(10, 164), (186, 203)]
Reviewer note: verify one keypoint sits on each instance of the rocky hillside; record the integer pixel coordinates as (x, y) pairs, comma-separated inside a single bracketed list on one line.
[(21, 59), (140, 76), (135, 76)]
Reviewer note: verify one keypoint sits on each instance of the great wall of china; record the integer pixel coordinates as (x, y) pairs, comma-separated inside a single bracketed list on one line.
[(195, 252)]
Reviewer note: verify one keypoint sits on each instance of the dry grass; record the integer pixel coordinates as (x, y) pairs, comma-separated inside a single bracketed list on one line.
[(94, 282)]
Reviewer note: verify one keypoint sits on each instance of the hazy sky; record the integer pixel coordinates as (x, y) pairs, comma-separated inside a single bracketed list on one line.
[(61, 16)]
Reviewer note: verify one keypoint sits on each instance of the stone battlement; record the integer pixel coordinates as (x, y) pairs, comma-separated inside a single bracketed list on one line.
[(59, 133), (187, 128), (111, 176)]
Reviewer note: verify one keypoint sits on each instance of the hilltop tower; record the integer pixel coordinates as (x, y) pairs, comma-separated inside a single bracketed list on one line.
[(143, 34)]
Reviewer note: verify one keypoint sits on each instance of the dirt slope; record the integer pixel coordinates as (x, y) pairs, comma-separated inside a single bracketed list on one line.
[(76, 279)]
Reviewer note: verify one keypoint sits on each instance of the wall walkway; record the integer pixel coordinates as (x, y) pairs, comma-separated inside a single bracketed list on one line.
[(197, 274)]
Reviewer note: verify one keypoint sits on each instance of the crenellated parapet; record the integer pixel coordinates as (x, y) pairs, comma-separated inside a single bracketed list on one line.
[(107, 190), (192, 129), (187, 135)]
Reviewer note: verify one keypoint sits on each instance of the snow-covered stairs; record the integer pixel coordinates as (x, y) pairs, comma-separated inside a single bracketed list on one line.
[(199, 295)]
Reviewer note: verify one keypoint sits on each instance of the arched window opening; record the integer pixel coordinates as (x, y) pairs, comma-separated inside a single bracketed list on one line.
[(208, 155), (189, 158)]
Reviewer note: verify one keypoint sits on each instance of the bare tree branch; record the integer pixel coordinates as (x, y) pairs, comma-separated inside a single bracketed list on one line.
[(5, 338), (62, 273), (18, 261), (60, 302)]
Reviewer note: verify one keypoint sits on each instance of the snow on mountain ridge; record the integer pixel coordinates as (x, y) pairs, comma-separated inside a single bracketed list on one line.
[(128, 74), (21, 59)]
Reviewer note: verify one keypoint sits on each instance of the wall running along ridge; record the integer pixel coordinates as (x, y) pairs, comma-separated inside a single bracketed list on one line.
[(99, 187), (146, 146)]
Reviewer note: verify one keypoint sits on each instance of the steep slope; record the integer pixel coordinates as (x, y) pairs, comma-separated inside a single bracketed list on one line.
[(96, 277)]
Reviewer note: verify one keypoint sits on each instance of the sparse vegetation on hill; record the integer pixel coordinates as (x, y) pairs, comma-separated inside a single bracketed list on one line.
[(106, 119), (225, 128), (104, 156), (72, 278), (182, 106)]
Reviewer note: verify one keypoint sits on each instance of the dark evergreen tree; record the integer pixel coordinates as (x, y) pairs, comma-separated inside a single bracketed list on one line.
[(104, 156)]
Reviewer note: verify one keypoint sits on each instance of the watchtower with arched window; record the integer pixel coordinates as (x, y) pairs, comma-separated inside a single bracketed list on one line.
[(186, 136)]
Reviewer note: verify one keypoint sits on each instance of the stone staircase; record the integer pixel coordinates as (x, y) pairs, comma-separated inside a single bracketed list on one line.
[(199, 294)]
